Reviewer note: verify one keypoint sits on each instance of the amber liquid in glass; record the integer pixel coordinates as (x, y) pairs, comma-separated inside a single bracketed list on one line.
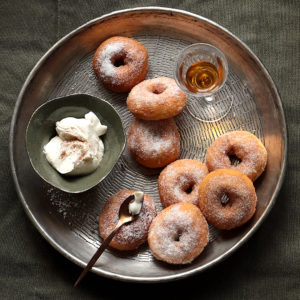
[(203, 76)]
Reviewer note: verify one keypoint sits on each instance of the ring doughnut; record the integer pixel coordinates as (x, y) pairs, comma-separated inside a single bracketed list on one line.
[(180, 181), (130, 236), (178, 234), (154, 144), (227, 198), (243, 147), (156, 99), (120, 63)]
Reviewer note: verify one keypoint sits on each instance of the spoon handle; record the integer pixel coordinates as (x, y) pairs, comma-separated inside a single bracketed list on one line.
[(98, 253)]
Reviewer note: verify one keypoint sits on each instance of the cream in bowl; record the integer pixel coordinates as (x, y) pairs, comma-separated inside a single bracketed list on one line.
[(77, 148), (73, 142)]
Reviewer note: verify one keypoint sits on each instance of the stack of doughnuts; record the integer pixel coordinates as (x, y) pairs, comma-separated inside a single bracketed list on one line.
[(220, 192), (121, 64), (153, 138)]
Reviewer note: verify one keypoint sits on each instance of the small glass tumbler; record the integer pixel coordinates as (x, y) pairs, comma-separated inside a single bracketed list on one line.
[(201, 71)]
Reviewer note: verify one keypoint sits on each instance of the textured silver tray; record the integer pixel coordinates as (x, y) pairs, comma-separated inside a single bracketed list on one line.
[(70, 222)]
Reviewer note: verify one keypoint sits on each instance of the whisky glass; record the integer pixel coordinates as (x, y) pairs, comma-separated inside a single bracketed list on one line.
[(201, 71)]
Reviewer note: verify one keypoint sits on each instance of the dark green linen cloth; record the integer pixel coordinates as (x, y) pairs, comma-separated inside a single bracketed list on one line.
[(266, 267)]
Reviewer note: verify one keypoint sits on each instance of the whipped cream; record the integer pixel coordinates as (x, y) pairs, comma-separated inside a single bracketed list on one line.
[(135, 205), (77, 148)]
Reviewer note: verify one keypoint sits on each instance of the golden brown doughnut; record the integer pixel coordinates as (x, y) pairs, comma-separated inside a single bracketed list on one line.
[(238, 144), (130, 236), (180, 181), (178, 234), (154, 144), (156, 99), (120, 63), (227, 198)]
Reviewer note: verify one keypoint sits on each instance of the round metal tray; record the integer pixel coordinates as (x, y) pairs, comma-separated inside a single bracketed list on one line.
[(70, 222)]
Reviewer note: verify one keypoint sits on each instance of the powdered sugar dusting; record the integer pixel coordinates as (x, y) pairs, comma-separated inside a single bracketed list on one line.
[(138, 229), (155, 99), (245, 146), (242, 198), (154, 140), (180, 181), (134, 66), (178, 234), (130, 235), (104, 59)]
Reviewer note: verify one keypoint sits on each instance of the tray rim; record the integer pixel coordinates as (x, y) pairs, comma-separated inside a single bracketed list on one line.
[(104, 273)]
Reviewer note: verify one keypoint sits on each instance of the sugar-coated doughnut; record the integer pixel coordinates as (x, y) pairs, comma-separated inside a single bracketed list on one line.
[(243, 146), (227, 198), (178, 234), (120, 63), (180, 181), (154, 144), (130, 236), (156, 99)]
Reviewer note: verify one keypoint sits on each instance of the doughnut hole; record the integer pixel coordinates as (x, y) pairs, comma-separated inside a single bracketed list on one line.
[(158, 88), (224, 199), (233, 158), (119, 60), (178, 235), (189, 189), (188, 186)]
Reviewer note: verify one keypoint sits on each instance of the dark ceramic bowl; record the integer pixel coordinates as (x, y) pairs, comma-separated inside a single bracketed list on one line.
[(41, 128)]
